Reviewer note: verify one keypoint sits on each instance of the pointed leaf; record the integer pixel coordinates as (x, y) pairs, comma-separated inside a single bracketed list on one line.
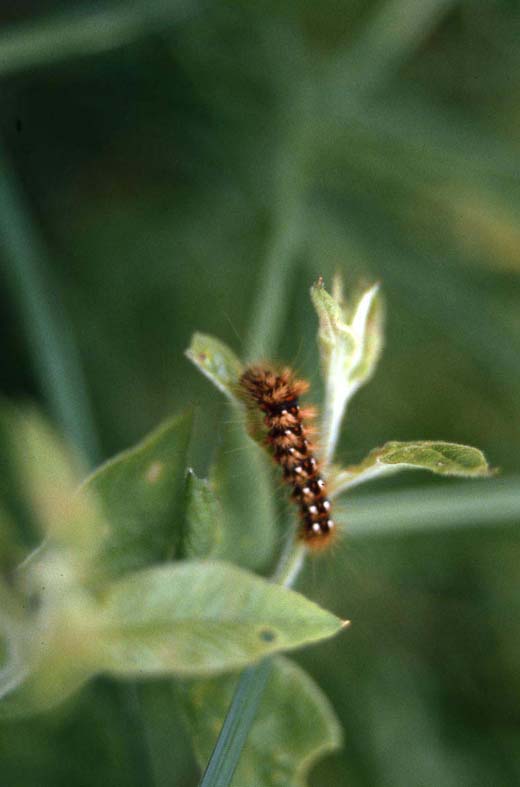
[(141, 493), (198, 618), (438, 457), (217, 362), (204, 517), (294, 727), (367, 327), (242, 481), (350, 341)]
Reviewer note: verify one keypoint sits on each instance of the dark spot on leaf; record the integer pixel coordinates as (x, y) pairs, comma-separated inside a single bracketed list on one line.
[(267, 635)]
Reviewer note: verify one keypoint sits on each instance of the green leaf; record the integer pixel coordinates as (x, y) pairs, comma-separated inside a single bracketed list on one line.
[(11, 550), (239, 477), (204, 518), (350, 339), (141, 493), (243, 483), (46, 685), (217, 362), (438, 457), (198, 618), (13, 628), (49, 475), (294, 726), (51, 654)]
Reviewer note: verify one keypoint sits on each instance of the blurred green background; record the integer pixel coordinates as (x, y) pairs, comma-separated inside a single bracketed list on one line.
[(176, 166)]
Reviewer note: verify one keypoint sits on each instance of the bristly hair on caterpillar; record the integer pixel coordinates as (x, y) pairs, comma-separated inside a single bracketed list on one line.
[(277, 394)]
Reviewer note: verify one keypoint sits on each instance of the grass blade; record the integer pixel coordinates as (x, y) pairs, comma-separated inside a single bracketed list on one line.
[(54, 353), (240, 717), (78, 32), (495, 503)]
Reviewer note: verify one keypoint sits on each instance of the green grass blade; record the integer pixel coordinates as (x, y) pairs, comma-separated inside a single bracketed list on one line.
[(240, 717), (54, 353), (472, 504), (77, 33)]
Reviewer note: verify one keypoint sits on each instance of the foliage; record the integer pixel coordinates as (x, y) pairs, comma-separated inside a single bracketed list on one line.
[(168, 167), (113, 593), (105, 592)]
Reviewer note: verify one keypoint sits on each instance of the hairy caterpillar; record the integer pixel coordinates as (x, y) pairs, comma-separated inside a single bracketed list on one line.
[(277, 394)]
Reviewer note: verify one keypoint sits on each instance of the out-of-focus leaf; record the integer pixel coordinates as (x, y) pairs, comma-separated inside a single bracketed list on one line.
[(141, 493), (49, 475), (294, 727), (198, 618), (204, 518), (11, 552), (435, 456), (241, 480), (55, 653), (13, 627), (217, 362), (350, 339)]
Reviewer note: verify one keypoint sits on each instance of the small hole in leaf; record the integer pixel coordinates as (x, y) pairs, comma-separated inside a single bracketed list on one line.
[(267, 635)]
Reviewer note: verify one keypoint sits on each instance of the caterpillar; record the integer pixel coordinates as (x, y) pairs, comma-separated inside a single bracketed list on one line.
[(277, 394)]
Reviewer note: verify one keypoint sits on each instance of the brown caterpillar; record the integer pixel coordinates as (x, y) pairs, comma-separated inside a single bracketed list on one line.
[(277, 394)]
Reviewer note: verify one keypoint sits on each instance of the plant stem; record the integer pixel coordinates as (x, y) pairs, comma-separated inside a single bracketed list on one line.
[(288, 234), (266, 320), (290, 564), (266, 323)]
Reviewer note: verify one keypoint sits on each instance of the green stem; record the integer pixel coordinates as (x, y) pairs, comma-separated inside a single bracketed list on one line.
[(266, 323), (286, 240), (290, 565)]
